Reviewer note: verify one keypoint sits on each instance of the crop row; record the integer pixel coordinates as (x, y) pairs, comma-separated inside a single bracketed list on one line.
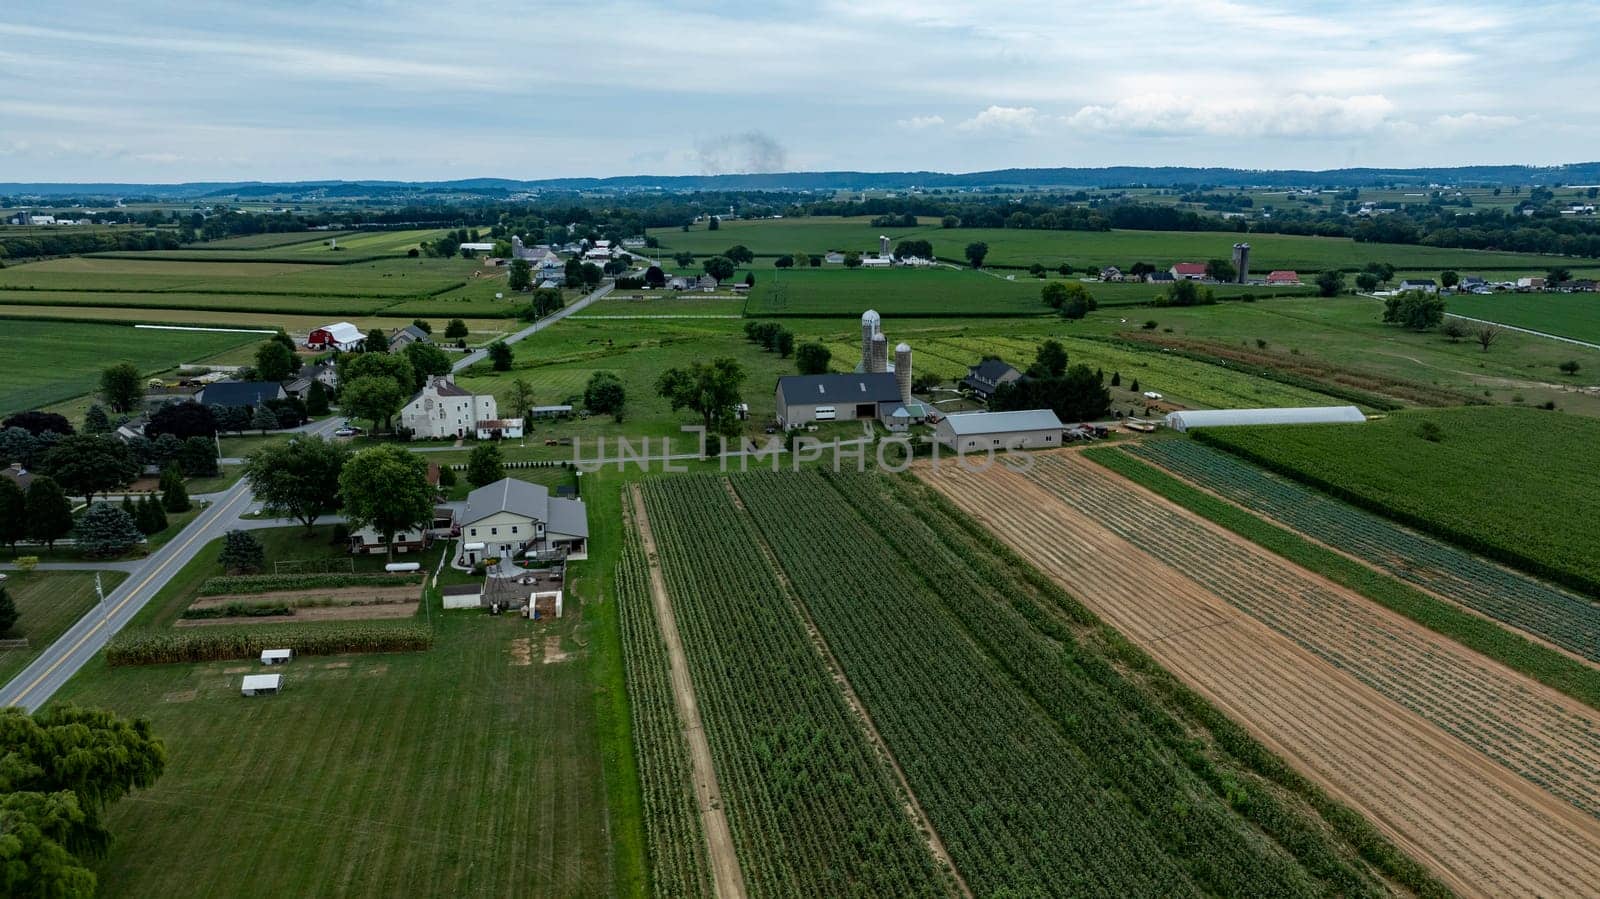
[(160, 647), (1563, 618), (812, 809), (676, 843), (232, 585), (1527, 732), (1044, 770)]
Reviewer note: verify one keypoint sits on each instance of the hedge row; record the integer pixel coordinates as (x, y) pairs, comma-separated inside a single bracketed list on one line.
[(1540, 662), (270, 583), (160, 647)]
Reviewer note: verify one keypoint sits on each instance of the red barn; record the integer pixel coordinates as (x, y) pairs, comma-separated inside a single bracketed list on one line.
[(339, 336)]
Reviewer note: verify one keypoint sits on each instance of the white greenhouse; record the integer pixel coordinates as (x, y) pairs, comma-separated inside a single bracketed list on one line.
[(1222, 418)]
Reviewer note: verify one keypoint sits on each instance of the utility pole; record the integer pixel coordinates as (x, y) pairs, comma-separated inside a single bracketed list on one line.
[(100, 590)]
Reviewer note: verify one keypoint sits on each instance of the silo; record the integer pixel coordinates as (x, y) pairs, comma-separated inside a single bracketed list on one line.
[(869, 329), (1241, 262), (902, 370), (883, 245), (880, 353)]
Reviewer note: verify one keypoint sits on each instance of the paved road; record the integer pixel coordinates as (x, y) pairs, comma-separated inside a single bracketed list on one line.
[(477, 356)]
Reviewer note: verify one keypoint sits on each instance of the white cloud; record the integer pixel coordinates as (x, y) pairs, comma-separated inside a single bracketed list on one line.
[(1018, 119), (1294, 115), (1472, 121), (920, 122)]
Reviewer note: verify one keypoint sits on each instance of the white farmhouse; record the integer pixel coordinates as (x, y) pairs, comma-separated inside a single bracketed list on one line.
[(510, 518), (442, 410)]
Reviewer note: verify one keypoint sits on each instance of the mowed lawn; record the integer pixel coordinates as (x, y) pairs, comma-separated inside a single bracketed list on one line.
[(473, 769), (44, 361), (48, 602), (1575, 315)]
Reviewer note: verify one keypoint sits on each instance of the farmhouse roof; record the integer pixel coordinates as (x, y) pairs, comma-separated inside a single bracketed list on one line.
[(1189, 268), (990, 370), (564, 516), (240, 393), (415, 332), (873, 387), (966, 423)]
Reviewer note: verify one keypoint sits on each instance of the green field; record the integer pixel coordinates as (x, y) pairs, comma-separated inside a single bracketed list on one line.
[(45, 362), (382, 278), (368, 243), (480, 329), (269, 241), (1515, 484), (1575, 315), (48, 602), (1088, 249)]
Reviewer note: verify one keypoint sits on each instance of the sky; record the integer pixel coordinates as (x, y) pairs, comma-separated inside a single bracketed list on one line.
[(273, 90)]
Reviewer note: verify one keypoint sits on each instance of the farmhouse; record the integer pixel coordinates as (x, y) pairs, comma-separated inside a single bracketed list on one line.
[(1426, 285), (834, 257), (248, 394), (337, 336), (862, 396), (1283, 277), (441, 410), (987, 431), (1111, 273), (1305, 415), (408, 335), (500, 429), (987, 376), (324, 373), (511, 518), (369, 541), (1191, 271)]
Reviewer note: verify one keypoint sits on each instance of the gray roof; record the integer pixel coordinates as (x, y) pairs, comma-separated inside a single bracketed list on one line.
[(1425, 282), (991, 370), (240, 393), (1303, 415), (967, 423), (876, 387), (564, 516)]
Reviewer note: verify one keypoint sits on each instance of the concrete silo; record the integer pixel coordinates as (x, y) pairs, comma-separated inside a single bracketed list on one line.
[(870, 328), (880, 354), (902, 370), (1241, 262)]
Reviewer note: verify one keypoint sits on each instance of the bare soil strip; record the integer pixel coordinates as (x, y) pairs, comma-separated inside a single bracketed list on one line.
[(726, 877), (919, 817), (375, 612), (348, 595), (1485, 829)]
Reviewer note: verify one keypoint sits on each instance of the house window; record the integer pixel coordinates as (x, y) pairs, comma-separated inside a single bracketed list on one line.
[(494, 531), (997, 442), (1048, 438), (474, 532), (513, 529)]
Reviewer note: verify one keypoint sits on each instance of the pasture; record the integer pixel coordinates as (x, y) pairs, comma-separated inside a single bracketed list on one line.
[(368, 243), (46, 361), (1575, 315), (268, 241)]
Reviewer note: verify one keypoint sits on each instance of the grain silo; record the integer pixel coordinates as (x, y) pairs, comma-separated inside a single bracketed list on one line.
[(869, 329), (902, 370), (880, 354), (1241, 263)]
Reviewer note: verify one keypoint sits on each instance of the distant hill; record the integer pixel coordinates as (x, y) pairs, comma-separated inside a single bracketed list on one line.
[(1115, 176)]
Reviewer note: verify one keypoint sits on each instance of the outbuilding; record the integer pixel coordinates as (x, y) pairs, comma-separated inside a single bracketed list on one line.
[(276, 656), (259, 684), (1303, 415), (803, 399), (967, 432), (342, 336)]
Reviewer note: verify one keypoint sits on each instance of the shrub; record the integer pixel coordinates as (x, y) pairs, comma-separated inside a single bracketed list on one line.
[(26, 564)]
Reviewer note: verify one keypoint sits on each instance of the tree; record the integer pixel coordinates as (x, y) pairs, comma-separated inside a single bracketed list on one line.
[(1449, 279), (317, 400), (713, 224), (377, 341), (386, 488), (298, 479), (1221, 270), (242, 553), (500, 356), (949, 221), (921, 249), (426, 359), (1383, 270), (1367, 282), (122, 386), (1454, 330), (87, 464), (1414, 309), (976, 252), (264, 419), (1487, 335), (520, 396), (485, 465), (1054, 294), (13, 514), (784, 343), (376, 398), (1116, 379), (456, 329), (150, 517), (174, 497), (719, 267), (784, 262), (1557, 276), (590, 275), (1049, 360), (8, 620), (812, 358), (35, 422), (749, 279), (182, 420), (852, 259), (395, 367), (1075, 395), (545, 301), (710, 389), (199, 457), (421, 324), (684, 260), (96, 421), (273, 362), (1064, 269), (655, 277), (105, 531), (605, 394), (49, 512), (520, 275), (1570, 367), (1186, 293), (232, 418), (740, 254), (1330, 283), (66, 766)]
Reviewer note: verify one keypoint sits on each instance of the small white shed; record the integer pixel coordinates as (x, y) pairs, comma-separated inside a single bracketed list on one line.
[(276, 656), (258, 684)]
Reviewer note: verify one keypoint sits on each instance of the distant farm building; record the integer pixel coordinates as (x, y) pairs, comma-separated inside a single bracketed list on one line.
[(1190, 271), (987, 376), (803, 399), (441, 409), (1222, 418), (1426, 285), (986, 431), (337, 336), (247, 394), (408, 335), (1283, 277)]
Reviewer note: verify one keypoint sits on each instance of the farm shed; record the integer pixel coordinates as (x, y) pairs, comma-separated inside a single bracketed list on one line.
[(988, 431), (461, 596), (803, 399), (257, 684), (1222, 418)]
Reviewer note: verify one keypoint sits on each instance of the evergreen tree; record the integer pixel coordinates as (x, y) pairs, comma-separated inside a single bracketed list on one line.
[(264, 419), (130, 507), (96, 421), (1116, 379), (151, 519), (317, 400), (199, 457), (49, 512), (13, 514), (8, 611), (174, 496), (242, 553), (106, 531)]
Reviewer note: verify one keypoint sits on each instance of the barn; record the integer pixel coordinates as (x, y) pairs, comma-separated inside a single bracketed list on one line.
[(803, 399), (985, 432), (1304, 415), (337, 336)]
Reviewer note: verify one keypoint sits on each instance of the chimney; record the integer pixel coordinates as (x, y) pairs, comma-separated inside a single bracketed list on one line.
[(902, 370)]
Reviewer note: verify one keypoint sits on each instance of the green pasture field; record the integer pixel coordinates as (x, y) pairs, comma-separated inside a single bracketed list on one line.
[(479, 329), (369, 243), (665, 303), (1088, 249), (1575, 315), (269, 241), (48, 602), (264, 307), (839, 291), (1515, 484), (45, 362), (385, 277)]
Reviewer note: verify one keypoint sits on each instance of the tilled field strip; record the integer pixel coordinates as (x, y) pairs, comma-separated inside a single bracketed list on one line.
[(1485, 829)]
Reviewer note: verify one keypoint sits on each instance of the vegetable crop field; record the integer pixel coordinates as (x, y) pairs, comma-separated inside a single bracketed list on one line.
[(1418, 732), (1042, 769), (1558, 616), (1517, 485)]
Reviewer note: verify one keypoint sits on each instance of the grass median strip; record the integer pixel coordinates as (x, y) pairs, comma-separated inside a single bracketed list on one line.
[(1539, 662)]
